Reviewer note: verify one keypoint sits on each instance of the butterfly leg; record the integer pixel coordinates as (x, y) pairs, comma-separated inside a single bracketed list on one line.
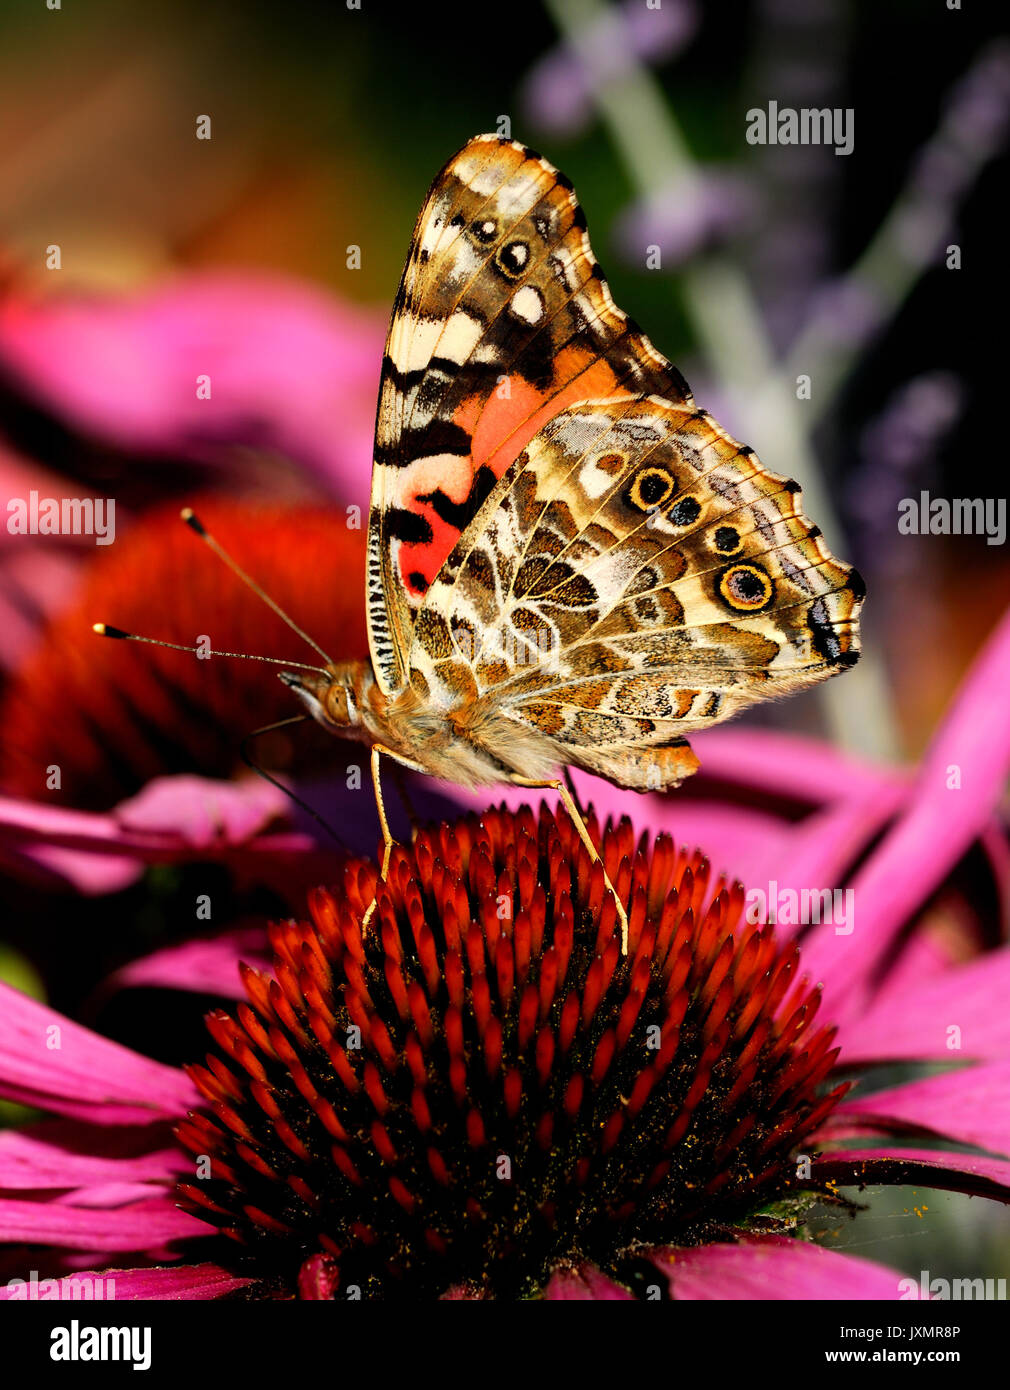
[(568, 801), (377, 750)]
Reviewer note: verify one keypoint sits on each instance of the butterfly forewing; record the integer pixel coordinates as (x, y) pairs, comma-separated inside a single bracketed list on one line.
[(502, 320)]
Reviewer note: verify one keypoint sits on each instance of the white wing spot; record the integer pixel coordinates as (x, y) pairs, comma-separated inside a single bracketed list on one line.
[(527, 305)]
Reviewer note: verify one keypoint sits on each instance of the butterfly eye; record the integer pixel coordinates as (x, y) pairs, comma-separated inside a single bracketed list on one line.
[(746, 588), (727, 540), (650, 488), (338, 705)]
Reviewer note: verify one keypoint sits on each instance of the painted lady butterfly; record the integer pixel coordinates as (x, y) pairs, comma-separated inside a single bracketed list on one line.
[(569, 564)]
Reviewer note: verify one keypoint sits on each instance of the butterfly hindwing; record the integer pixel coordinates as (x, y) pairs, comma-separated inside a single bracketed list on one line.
[(502, 320), (635, 576)]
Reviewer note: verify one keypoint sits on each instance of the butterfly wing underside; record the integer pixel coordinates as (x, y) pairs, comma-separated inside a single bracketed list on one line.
[(635, 576), (502, 320)]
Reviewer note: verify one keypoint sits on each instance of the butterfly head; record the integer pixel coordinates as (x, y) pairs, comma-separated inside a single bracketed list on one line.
[(333, 699)]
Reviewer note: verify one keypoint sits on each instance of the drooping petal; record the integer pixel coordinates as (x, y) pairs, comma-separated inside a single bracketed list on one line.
[(970, 1105), (202, 813), (313, 401), (818, 850), (952, 1172), (147, 1225), (788, 766), (960, 781), (773, 1267), (923, 955), (206, 966), (50, 1062), (960, 1013), (66, 1153), (99, 853), (190, 1282)]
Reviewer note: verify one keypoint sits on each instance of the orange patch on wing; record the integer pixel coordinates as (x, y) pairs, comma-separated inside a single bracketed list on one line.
[(500, 430), (504, 427)]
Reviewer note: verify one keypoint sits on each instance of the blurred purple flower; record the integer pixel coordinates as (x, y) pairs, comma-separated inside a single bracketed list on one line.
[(557, 93), (845, 314), (684, 219), (898, 452)]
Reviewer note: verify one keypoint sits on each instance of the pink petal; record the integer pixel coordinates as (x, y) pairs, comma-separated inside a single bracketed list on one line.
[(913, 1024), (62, 1153), (970, 1105), (85, 1076), (821, 847), (924, 955), (206, 966), (55, 868), (585, 1283), (173, 818), (787, 766), (109, 1194), (773, 1267), (202, 812), (935, 831), (951, 1172), (291, 370), (192, 1282), (141, 1226)]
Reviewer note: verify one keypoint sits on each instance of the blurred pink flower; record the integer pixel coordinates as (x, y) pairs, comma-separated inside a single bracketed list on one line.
[(292, 372)]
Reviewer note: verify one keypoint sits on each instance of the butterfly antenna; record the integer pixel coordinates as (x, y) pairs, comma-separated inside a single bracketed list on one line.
[(195, 524), (260, 771), (107, 630)]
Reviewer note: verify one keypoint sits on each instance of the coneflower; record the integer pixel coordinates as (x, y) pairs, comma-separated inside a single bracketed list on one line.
[(482, 1090)]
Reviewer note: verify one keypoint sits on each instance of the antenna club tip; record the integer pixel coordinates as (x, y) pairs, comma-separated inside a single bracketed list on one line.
[(106, 630), (193, 521)]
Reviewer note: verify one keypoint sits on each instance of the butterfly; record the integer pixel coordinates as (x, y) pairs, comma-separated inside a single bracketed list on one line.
[(569, 564)]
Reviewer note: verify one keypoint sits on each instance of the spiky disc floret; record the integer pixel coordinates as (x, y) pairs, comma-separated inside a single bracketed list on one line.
[(483, 1089)]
